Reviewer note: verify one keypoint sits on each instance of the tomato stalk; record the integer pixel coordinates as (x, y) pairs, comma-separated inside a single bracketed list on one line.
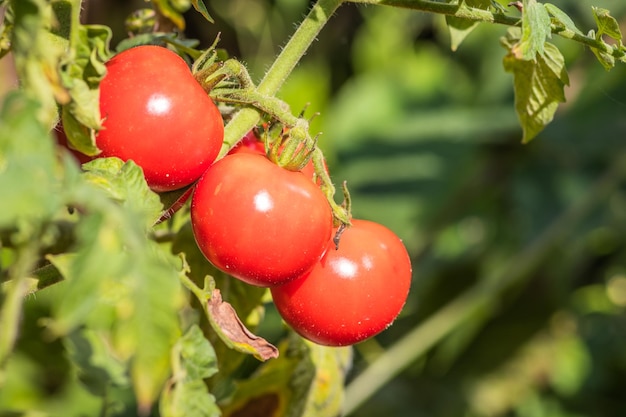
[(246, 118)]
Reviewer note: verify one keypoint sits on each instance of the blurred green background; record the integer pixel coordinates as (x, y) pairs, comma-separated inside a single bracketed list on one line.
[(531, 237), (429, 144)]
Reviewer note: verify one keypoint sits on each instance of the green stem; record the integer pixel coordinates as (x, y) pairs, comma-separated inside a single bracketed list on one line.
[(13, 294), (306, 33), (483, 297), (480, 15)]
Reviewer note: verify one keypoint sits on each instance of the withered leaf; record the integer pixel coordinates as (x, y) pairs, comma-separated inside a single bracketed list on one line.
[(233, 332)]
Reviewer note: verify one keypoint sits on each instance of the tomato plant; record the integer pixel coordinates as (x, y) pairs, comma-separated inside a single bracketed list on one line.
[(354, 292), (258, 222), (156, 114), (109, 304)]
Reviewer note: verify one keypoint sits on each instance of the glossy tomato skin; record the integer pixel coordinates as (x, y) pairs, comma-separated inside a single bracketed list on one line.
[(353, 292), (258, 222), (155, 113)]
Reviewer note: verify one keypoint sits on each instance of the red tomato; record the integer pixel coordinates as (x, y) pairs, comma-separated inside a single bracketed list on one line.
[(258, 222), (353, 292), (158, 115), (252, 144)]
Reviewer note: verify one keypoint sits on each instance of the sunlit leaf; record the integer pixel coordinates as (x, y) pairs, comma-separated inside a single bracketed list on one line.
[(607, 25), (188, 395), (29, 180), (460, 28), (535, 30), (37, 52), (539, 85), (124, 182), (201, 8), (562, 19)]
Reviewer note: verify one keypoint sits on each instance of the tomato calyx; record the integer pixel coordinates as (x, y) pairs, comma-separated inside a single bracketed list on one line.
[(287, 140)]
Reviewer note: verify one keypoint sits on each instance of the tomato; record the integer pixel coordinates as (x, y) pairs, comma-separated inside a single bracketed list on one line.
[(353, 292), (251, 143), (155, 113), (259, 222)]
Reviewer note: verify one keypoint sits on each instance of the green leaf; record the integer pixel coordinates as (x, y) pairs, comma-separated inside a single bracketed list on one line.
[(201, 8), (306, 381), (607, 25), (30, 182), (172, 11), (81, 72), (188, 395), (604, 56), (279, 387), (124, 286), (326, 396), (98, 365), (535, 30), (124, 182), (539, 85), (197, 355), (460, 28), (563, 20), (37, 52)]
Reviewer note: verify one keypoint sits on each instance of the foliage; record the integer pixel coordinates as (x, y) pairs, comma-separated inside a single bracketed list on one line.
[(517, 305)]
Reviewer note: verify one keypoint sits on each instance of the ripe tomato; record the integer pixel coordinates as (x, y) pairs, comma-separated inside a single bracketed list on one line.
[(258, 222), (353, 292), (158, 115)]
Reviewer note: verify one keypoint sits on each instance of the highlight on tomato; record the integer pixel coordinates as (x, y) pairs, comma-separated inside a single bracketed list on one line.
[(354, 292), (156, 114), (258, 222)]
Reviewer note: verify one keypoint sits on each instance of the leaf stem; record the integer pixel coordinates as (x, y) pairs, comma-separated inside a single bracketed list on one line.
[(246, 118), (464, 11), (483, 297)]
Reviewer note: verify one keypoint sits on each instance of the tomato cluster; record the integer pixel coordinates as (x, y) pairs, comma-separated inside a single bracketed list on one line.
[(251, 218)]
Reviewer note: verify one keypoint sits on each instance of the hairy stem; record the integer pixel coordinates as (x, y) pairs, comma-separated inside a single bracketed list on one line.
[(304, 36), (482, 298), (480, 15)]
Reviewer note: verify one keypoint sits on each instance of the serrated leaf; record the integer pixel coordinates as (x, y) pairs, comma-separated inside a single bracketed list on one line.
[(607, 25), (124, 182), (535, 30), (197, 355), (124, 286), (562, 19), (81, 72), (189, 399), (29, 179), (201, 8), (188, 395), (460, 28), (539, 86)]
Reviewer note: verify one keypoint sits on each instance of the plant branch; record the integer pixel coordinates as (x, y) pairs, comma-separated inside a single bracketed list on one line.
[(246, 118), (464, 11), (483, 297)]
